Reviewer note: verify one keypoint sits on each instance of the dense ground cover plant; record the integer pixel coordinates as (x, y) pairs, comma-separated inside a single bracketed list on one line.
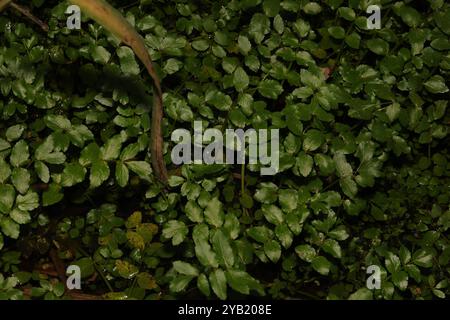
[(364, 159)]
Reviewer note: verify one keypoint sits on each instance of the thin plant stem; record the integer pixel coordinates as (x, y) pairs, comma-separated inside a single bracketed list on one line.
[(27, 13), (100, 272)]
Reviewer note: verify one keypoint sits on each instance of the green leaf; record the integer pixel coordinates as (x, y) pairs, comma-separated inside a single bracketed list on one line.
[(238, 118), (240, 79), (219, 100), (218, 282), (305, 252), (343, 168), (270, 89), (134, 220), (146, 23), (44, 152), (310, 79), (424, 257), (111, 149), (135, 240), (305, 164), (271, 7), (410, 16), (246, 200), (252, 62), (28, 202), (222, 247), (231, 226), (200, 45), (392, 111), (347, 13), (242, 282), (361, 294), (185, 268), (244, 45), (378, 46), (214, 213), (172, 66), (203, 285), (4, 145), (57, 122), (392, 263), (405, 255), (321, 265), (180, 283), (230, 64), (439, 293), (436, 84), (413, 272), (443, 21), (294, 223), (313, 139), (440, 44), (19, 154), (194, 212), (42, 171), (312, 8), (288, 199), (89, 154), (284, 235), (175, 230), (99, 173), (260, 233), (122, 174), (5, 170), (278, 24), (79, 134), (21, 179), (349, 187), (52, 195), (9, 227), (203, 250), (332, 247), (128, 63), (337, 32), (86, 266), (20, 216), (273, 250), (15, 132), (340, 233), (205, 255), (353, 40), (142, 168), (267, 193), (259, 27), (100, 54), (7, 197), (325, 164), (129, 152), (400, 280), (273, 214), (73, 173)]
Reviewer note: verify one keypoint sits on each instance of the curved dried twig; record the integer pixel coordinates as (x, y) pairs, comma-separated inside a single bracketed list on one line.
[(25, 11), (112, 20), (4, 4)]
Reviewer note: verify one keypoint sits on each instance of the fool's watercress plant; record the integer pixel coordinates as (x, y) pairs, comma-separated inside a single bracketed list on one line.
[(364, 162)]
